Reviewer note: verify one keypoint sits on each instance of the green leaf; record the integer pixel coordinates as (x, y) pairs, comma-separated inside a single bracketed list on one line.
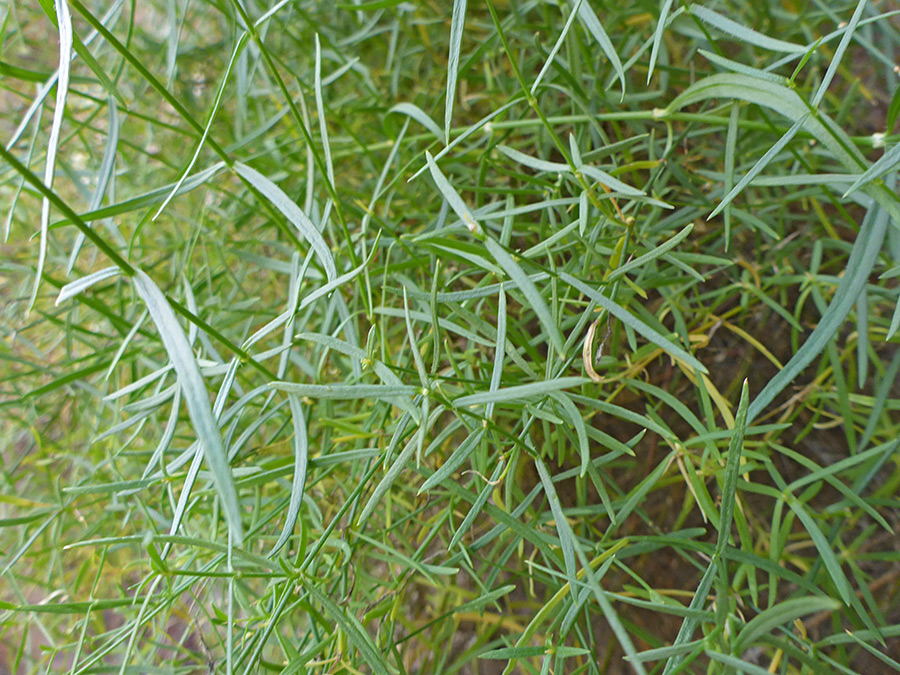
[(559, 42), (859, 266), (513, 653), (292, 212), (779, 615), (744, 33), (739, 665), (452, 196), (562, 525), (453, 462), (887, 162), (838, 54), (457, 24), (664, 10), (529, 290), (415, 112), (893, 111), (103, 176), (632, 322), (399, 464), (590, 21), (320, 111), (212, 115), (196, 397), (519, 392), (73, 288), (732, 470), (653, 254), (64, 22), (301, 458), (346, 392), (824, 548), (352, 628)]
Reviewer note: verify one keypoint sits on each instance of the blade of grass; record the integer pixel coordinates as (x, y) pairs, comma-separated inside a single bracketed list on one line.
[(73, 288), (838, 54), (415, 112), (555, 50), (779, 615), (103, 175)]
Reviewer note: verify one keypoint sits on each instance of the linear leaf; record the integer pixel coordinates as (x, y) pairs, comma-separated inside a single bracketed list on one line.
[(346, 392), (612, 183), (196, 396), (520, 391), (595, 28), (457, 24), (452, 463), (415, 112), (452, 196), (862, 260), (104, 175), (320, 112), (352, 628), (73, 288), (559, 42), (838, 54), (732, 470), (242, 40), (887, 162), (640, 261), (301, 458), (823, 546), (634, 323), (779, 615), (529, 290), (292, 212), (744, 33), (399, 464), (64, 22)]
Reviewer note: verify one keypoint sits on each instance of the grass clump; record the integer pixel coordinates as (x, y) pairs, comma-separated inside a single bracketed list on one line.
[(402, 337)]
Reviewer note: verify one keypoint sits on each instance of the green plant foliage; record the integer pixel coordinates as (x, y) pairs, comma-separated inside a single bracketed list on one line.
[(554, 336)]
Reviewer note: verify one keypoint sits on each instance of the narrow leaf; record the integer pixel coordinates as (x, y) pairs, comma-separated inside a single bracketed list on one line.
[(529, 290), (520, 391), (73, 288), (635, 324), (416, 113), (64, 22), (732, 470), (196, 396), (778, 615), (452, 196), (293, 213), (301, 457), (320, 112), (457, 23), (744, 33), (595, 28)]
